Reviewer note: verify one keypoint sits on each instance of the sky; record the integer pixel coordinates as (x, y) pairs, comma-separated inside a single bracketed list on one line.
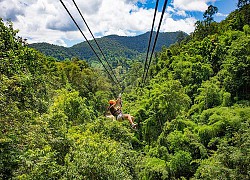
[(48, 21)]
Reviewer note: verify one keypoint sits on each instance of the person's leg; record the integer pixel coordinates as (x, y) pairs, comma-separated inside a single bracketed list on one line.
[(129, 118)]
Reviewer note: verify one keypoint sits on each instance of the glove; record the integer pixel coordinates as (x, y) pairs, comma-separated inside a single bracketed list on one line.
[(120, 95)]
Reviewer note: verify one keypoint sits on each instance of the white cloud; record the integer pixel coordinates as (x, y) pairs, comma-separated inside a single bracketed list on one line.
[(178, 12), (221, 15), (90, 6), (186, 25), (135, 1), (191, 5), (11, 9), (47, 20), (170, 9), (181, 13)]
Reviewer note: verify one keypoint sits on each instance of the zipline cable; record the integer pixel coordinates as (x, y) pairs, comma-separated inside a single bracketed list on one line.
[(95, 41), (88, 42), (155, 40), (150, 38)]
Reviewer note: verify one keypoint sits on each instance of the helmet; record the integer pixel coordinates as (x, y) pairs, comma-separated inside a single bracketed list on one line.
[(112, 102)]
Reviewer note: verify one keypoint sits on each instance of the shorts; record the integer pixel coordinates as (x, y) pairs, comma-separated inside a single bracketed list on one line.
[(119, 117)]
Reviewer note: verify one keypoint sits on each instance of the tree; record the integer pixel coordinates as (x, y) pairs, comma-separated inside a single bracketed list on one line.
[(242, 3), (94, 156), (207, 26), (180, 164), (163, 103), (152, 168), (208, 14)]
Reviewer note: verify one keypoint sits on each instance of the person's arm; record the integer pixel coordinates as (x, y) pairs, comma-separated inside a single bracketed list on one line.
[(119, 101), (111, 106)]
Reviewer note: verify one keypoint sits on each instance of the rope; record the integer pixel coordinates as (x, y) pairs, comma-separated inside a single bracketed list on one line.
[(155, 40), (88, 42), (150, 38), (95, 40)]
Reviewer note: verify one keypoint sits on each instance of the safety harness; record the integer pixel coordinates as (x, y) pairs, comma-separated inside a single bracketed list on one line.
[(115, 112)]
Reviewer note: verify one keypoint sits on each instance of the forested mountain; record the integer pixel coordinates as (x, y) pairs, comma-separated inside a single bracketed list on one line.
[(140, 43), (59, 52), (193, 111), (113, 46)]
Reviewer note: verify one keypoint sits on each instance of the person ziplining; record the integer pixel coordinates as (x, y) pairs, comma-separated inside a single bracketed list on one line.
[(115, 108), (115, 105)]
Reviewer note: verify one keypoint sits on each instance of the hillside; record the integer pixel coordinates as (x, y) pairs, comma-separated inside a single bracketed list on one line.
[(193, 112), (51, 50), (140, 43), (113, 46)]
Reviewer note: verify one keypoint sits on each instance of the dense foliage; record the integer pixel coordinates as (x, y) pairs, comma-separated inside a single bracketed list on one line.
[(193, 113)]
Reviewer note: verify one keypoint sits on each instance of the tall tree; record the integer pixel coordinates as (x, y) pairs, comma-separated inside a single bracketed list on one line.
[(208, 15)]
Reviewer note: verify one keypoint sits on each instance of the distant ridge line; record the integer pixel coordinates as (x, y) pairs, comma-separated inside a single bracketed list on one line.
[(112, 45)]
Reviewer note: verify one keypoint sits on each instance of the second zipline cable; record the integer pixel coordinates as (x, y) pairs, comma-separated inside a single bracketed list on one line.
[(96, 41), (155, 40)]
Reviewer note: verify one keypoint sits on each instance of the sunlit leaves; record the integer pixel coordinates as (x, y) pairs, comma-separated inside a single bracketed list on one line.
[(152, 168), (180, 164), (93, 156)]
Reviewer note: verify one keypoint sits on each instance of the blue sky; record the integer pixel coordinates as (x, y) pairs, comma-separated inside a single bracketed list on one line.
[(47, 21), (224, 6)]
